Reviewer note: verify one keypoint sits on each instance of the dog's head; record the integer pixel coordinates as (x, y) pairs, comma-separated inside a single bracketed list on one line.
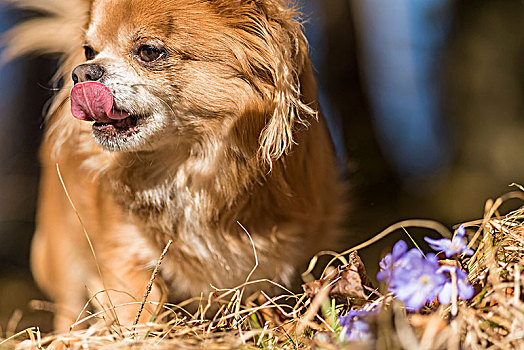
[(192, 70)]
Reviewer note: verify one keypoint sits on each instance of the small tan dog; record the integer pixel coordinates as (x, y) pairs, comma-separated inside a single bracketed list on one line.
[(192, 117)]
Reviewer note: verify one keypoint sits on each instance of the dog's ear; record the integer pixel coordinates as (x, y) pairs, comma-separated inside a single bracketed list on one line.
[(273, 55), (289, 66), (59, 30)]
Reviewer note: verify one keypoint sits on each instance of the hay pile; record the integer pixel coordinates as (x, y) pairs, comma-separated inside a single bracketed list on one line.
[(492, 318)]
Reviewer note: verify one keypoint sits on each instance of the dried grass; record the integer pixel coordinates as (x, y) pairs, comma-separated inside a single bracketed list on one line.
[(493, 318)]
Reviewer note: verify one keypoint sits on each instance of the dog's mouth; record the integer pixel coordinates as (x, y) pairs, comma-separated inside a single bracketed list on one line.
[(122, 127), (93, 101)]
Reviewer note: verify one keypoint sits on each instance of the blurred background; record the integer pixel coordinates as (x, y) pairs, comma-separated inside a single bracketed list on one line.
[(425, 103)]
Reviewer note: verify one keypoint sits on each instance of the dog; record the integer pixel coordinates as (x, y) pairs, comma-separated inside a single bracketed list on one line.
[(194, 121)]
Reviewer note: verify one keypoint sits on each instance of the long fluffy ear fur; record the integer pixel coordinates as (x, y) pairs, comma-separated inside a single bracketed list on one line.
[(277, 58), (286, 68), (277, 137), (58, 31)]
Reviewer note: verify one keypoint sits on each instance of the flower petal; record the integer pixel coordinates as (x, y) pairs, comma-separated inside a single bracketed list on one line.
[(416, 301), (399, 249), (438, 245), (461, 231), (444, 296)]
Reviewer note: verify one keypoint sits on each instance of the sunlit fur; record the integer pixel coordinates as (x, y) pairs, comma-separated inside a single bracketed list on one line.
[(230, 134)]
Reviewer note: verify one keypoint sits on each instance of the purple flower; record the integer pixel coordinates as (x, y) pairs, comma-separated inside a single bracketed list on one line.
[(411, 277), (355, 328), (458, 245), (464, 289), (415, 280), (387, 265)]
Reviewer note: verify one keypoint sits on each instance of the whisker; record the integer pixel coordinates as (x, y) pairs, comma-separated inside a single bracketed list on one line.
[(53, 89)]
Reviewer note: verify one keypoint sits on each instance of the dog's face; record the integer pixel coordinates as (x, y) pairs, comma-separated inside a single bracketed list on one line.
[(184, 69), (161, 63)]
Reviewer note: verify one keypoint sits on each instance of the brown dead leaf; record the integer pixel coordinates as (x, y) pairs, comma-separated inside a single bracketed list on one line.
[(345, 282)]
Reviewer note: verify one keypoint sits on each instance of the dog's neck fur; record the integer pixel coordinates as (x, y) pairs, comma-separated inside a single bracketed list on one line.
[(187, 185)]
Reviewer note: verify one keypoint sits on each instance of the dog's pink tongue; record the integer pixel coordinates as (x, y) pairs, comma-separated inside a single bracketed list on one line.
[(91, 100)]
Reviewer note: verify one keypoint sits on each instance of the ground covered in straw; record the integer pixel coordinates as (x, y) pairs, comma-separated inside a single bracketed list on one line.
[(482, 307)]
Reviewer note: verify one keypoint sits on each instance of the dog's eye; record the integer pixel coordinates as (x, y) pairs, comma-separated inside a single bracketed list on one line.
[(89, 52), (149, 53)]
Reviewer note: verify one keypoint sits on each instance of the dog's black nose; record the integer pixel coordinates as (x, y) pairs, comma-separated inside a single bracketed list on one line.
[(87, 72)]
